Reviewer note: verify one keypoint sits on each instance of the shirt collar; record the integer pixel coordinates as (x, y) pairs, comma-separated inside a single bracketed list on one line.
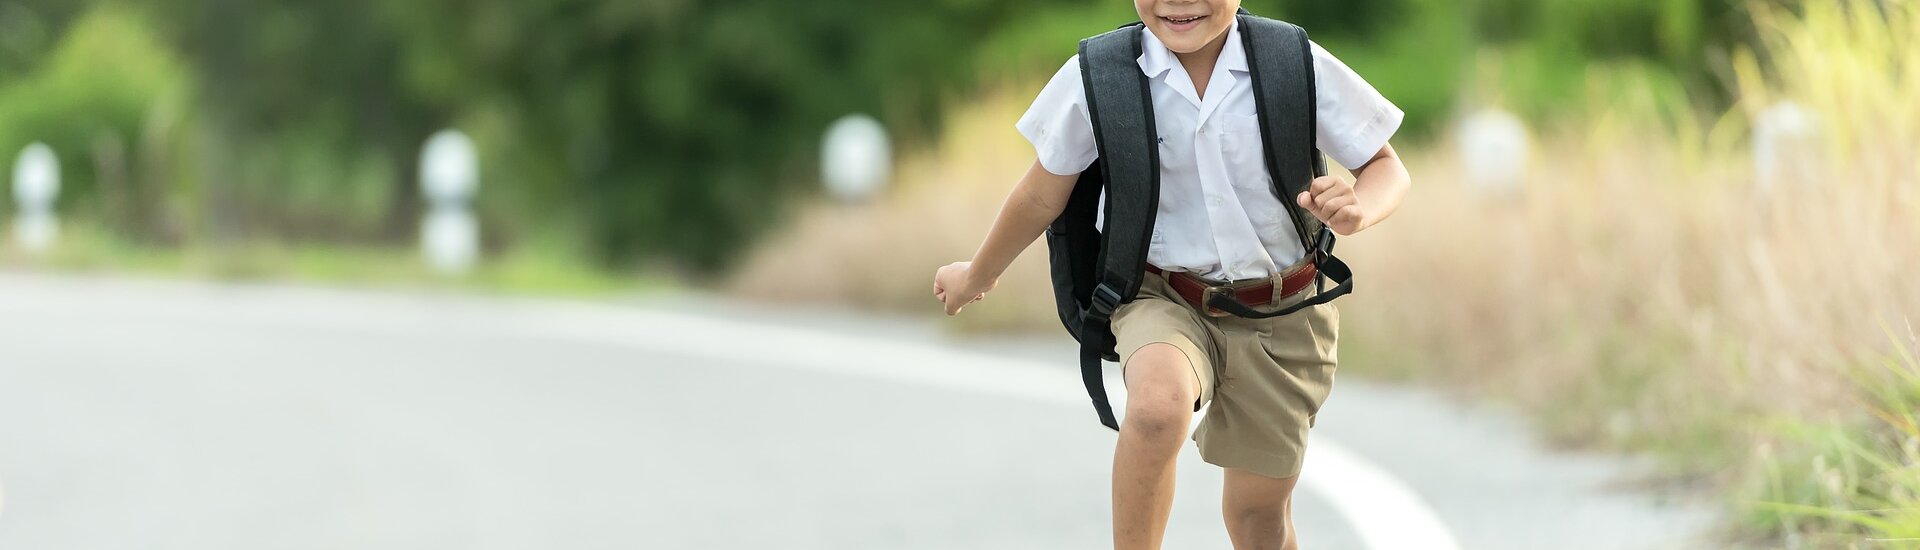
[(1156, 59)]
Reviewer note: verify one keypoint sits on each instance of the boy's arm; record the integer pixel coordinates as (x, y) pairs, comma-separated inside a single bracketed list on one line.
[(1375, 193), (1034, 203)]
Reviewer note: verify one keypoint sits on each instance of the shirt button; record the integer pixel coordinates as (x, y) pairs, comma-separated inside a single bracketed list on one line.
[(1214, 200)]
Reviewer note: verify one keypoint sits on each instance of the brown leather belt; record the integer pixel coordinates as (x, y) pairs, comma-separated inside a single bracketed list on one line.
[(1253, 293)]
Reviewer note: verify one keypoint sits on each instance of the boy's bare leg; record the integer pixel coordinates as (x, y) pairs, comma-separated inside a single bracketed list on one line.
[(1259, 511), (1161, 391)]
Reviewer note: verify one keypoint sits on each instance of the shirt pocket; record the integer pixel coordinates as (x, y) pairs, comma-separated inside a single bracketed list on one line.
[(1245, 155), (1243, 150)]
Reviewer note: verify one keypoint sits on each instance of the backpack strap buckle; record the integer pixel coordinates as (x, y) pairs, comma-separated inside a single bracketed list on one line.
[(1105, 300), (1323, 243)]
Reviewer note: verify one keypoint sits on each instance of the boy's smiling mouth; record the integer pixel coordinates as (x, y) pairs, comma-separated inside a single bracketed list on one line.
[(1183, 23)]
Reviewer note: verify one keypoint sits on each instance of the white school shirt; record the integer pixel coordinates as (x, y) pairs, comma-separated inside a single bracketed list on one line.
[(1218, 216)]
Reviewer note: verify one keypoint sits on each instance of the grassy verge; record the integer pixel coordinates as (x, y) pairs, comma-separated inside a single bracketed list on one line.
[(532, 269), (1643, 292), (882, 255), (1852, 483)]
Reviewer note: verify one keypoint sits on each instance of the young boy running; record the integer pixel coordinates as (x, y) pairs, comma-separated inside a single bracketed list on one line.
[(1217, 221)]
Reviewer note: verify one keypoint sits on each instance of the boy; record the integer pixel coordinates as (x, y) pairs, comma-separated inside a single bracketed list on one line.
[(1217, 221)]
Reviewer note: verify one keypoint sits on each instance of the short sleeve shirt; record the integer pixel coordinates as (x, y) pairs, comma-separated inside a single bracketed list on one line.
[(1218, 216)]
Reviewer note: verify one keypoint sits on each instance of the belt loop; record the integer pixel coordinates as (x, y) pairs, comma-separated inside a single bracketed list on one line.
[(1279, 287)]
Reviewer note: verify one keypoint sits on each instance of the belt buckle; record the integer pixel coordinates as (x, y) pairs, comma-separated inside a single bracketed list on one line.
[(1206, 298)]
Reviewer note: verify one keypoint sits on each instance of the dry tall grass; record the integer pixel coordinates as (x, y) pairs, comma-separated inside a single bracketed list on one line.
[(882, 255), (1641, 292), (1644, 293)]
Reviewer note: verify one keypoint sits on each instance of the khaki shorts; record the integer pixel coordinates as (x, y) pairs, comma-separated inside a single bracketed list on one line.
[(1262, 380)]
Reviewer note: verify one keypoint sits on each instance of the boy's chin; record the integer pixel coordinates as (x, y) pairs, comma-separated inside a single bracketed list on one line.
[(1187, 41), (1185, 44)]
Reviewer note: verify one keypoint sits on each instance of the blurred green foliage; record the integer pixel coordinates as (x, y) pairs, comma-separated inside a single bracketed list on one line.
[(93, 95), (1433, 57), (651, 130)]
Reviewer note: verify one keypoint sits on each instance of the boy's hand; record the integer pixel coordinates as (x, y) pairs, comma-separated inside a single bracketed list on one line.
[(954, 286), (1332, 200)]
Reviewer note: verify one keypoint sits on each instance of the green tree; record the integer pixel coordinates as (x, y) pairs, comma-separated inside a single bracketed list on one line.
[(680, 128), (311, 132), (94, 96)]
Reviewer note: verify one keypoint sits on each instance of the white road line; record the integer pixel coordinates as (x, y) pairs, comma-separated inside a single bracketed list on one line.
[(1385, 512)]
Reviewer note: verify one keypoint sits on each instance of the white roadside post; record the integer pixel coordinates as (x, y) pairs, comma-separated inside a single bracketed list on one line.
[(1786, 146), (36, 184), (855, 159), (1494, 149), (449, 175)]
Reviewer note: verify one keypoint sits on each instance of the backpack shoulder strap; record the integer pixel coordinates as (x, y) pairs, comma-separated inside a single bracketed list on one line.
[(1282, 65), (1281, 60), (1128, 167), (1121, 109)]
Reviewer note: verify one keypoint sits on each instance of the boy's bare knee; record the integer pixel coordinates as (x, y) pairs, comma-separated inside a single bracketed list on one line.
[(1157, 423), (1258, 510), (1263, 518), (1259, 528), (1261, 525), (1161, 391)]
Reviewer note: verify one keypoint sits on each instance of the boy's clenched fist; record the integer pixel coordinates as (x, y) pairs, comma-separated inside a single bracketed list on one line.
[(954, 286), (1332, 200)]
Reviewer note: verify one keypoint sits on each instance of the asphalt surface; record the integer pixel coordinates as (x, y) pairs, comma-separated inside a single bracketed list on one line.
[(160, 415)]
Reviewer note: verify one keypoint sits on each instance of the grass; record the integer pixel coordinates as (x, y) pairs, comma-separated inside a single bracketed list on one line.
[(1642, 293), (881, 255), (1645, 294), (532, 268), (1850, 483)]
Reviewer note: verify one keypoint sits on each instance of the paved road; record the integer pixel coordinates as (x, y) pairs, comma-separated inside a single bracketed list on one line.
[(176, 415)]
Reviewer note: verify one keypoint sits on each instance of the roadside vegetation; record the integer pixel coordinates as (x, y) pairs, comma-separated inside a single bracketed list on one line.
[(647, 135), (553, 268)]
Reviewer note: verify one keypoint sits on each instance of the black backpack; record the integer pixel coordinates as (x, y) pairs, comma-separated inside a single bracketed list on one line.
[(1097, 269)]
